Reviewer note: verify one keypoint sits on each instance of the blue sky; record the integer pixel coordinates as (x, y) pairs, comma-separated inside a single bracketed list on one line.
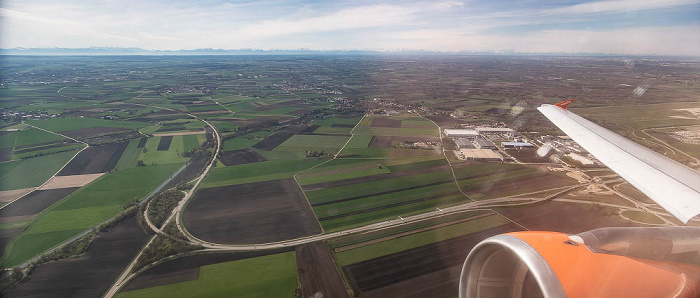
[(670, 27)]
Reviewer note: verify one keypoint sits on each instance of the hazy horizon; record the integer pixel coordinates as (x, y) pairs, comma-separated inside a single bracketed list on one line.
[(602, 27)]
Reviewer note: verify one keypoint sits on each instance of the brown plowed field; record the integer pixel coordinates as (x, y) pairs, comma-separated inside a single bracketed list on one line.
[(95, 159), (239, 157), (559, 217), (187, 268), (92, 273), (5, 154), (386, 122), (259, 212), (35, 202), (428, 271), (6, 236), (310, 129), (191, 171), (142, 142), (445, 120), (272, 141), (197, 132), (10, 195), (164, 143), (317, 272), (70, 181)]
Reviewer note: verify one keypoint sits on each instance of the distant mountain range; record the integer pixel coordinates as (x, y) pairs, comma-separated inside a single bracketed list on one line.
[(139, 51)]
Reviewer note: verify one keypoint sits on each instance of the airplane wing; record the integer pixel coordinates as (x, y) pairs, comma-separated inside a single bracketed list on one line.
[(670, 184)]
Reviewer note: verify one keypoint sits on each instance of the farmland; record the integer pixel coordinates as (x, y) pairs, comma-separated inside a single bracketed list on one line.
[(280, 177), (265, 276)]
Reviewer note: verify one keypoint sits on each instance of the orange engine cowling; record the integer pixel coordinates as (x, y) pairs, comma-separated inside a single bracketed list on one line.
[(609, 262)]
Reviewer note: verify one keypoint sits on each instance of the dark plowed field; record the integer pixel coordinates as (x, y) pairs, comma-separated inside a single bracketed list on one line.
[(310, 129), (187, 268), (259, 212), (386, 122), (423, 199), (427, 271), (91, 274), (191, 171), (93, 131), (35, 202), (164, 143), (239, 157), (6, 236), (272, 141), (5, 154), (317, 271), (95, 159), (142, 142), (559, 217), (388, 141)]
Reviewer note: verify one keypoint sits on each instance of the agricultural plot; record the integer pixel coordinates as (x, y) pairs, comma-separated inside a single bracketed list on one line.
[(31, 172), (258, 212), (164, 150), (559, 217), (27, 137), (245, 141), (239, 157), (92, 273), (265, 276), (10, 195), (84, 209), (95, 159), (385, 122), (427, 271), (314, 142), (317, 272), (58, 182), (34, 203), (187, 268), (271, 142), (255, 172), (71, 124), (131, 154)]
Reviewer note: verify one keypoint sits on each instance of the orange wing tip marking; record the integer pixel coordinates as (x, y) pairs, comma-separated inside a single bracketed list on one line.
[(564, 104)]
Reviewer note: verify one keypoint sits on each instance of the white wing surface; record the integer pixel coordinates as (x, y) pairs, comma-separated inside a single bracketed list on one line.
[(672, 185)]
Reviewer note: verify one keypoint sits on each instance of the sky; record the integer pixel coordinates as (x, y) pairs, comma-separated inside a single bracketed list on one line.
[(641, 27)]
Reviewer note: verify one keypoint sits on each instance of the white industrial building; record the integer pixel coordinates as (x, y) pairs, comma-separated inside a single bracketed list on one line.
[(495, 130), (463, 133), (517, 145), (481, 154)]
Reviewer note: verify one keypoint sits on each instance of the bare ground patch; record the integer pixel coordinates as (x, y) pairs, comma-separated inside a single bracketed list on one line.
[(70, 181), (259, 212), (317, 272)]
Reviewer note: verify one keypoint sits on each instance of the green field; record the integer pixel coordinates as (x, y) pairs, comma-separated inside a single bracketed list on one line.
[(27, 137), (32, 172), (267, 276), (259, 171), (64, 124), (314, 141), (130, 156), (242, 142), (419, 239), (151, 155), (84, 209)]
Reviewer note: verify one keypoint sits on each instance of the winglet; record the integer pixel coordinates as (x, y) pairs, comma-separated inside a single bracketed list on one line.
[(564, 104)]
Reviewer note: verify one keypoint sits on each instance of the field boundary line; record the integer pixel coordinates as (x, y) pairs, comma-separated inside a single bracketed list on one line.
[(59, 170), (444, 153)]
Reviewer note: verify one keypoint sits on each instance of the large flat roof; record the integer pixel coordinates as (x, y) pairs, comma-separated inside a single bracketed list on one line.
[(463, 132), (494, 129)]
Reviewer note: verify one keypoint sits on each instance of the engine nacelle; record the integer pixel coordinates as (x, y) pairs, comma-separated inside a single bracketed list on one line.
[(609, 262)]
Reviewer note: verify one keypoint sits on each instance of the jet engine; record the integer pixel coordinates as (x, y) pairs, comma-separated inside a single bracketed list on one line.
[(607, 262)]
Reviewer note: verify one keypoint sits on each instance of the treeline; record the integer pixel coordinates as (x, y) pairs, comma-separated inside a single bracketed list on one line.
[(162, 205), (165, 245)]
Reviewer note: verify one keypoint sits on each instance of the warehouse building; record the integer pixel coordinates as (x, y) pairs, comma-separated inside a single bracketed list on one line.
[(464, 143), (481, 154), (495, 130), (483, 143), (517, 145), (461, 133)]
